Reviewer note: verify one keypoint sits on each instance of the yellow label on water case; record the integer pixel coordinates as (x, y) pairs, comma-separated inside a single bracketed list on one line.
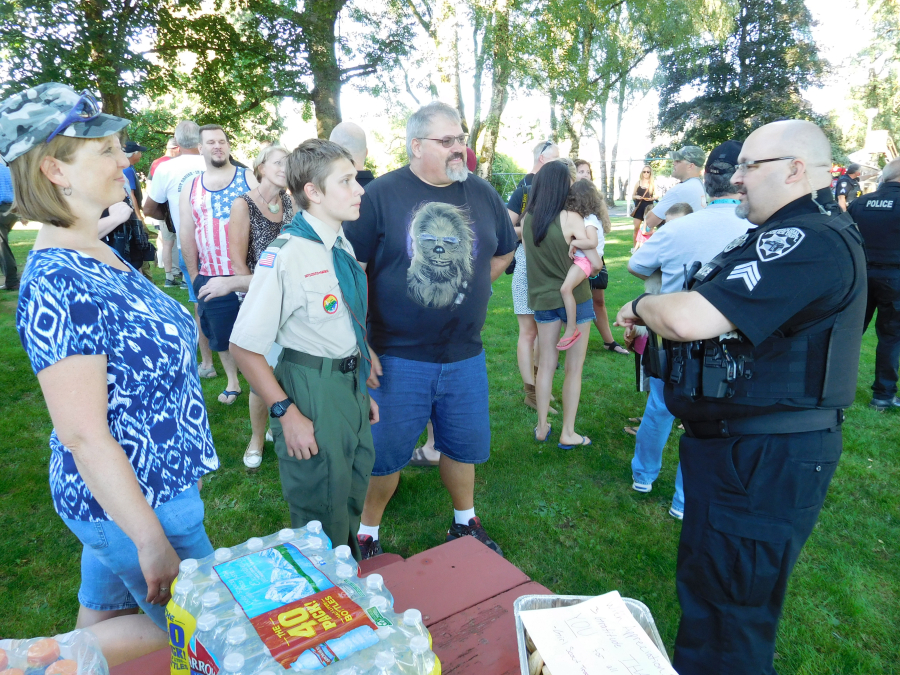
[(181, 627)]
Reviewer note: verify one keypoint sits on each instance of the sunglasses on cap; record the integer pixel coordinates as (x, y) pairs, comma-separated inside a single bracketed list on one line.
[(84, 110)]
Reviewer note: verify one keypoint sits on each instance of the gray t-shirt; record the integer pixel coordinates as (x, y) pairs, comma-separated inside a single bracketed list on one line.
[(690, 191), (700, 236)]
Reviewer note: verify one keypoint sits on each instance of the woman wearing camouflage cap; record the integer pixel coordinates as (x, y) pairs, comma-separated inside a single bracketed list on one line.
[(116, 361)]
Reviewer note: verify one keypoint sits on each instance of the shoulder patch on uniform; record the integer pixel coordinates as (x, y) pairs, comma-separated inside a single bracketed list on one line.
[(879, 205), (734, 243), (748, 273), (267, 259), (778, 243)]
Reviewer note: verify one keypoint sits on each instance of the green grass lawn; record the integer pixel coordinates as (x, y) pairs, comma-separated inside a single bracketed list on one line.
[(570, 520)]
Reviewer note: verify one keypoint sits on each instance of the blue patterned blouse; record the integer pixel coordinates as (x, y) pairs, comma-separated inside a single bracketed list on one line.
[(70, 303)]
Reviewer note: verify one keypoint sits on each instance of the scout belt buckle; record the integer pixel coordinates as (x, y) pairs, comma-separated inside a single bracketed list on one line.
[(348, 365)]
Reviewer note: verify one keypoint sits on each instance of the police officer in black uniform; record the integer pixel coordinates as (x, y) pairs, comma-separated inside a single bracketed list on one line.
[(759, 358), (847, 189), (877, 215)]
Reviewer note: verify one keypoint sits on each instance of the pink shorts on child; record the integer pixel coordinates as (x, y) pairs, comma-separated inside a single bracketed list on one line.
[(584, 264)]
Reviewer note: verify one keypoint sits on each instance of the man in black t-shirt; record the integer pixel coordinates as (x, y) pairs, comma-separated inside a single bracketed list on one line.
[(432, 238), (545, 151), (847, 187), (352, 137)]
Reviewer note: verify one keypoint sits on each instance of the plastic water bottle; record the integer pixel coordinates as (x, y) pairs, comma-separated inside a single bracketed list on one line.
[(343, 647), (423, 659), (375, 586), (385, 664), (411, 624), (223, 554), (185, 597)]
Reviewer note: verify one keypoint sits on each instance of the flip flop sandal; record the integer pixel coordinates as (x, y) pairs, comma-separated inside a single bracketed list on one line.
[(615, 347), (226, 394), (420, 459), (631, 431), (252, 460), (566, 343), (207, 373), (545, 438), (563, 446), (635, 420)]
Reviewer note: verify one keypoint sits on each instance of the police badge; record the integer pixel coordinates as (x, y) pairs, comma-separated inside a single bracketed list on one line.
[(736, 242), (778, 243)]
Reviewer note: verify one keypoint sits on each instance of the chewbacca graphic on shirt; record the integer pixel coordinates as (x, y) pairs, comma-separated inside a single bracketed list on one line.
[(442, 249)]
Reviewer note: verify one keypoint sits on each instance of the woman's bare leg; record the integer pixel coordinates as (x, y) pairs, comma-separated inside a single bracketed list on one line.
[(572, 392), (548, 336), (124, 634), (525, 346)]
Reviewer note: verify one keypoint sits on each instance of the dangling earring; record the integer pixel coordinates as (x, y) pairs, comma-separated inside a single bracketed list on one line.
[(67, 191)]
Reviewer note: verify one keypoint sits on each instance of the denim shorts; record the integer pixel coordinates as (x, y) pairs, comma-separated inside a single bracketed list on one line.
[(111, 577), (191, 295), (454, 396), (217, 315), (584, 312)]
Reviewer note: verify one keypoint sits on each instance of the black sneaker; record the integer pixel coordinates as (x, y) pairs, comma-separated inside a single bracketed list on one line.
[(473, 529), (882, 404), (171, 283), (368, 547)]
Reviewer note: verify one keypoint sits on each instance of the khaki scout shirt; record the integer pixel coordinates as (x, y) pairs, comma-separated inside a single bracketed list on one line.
[(294, 298)]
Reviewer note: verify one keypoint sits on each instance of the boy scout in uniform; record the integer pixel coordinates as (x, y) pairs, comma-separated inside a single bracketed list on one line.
[(309, 295)]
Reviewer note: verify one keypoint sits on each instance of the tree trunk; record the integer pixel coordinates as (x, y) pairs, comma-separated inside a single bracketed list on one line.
[(480, 27), (104, 57), (320, 17), (554, 123), (499, 87), (604, 172), (445, 34), (620, 102)]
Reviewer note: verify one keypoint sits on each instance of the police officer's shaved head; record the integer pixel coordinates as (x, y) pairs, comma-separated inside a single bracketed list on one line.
[(352, 137), (891, 172), (781, 162)]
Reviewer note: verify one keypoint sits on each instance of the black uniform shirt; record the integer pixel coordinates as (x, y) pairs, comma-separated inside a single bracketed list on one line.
[(877, 215), (519, 198), (364, 177), (776, 283), (849, 187)]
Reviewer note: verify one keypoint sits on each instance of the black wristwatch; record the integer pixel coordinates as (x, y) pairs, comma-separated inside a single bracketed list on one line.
[(280, 408), (635, 302)]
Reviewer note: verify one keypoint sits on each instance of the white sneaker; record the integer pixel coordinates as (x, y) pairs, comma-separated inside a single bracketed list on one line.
[(641, 487), (252, 460), (675, 513)]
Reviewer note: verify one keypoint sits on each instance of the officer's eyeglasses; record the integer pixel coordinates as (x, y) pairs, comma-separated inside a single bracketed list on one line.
[(430, 241), (84, 110), (448, 141), (744, 166)]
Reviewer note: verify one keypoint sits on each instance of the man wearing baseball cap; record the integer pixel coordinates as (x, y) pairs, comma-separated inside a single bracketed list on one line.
[(686, 167), (697, 237)]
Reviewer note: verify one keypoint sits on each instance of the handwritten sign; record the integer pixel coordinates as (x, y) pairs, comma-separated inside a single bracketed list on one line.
[(596, 637)]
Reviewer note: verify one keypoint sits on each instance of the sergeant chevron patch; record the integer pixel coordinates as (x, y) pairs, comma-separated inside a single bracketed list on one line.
[(748, 272)]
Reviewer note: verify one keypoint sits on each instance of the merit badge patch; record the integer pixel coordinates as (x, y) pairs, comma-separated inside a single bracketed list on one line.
[(267, 259), (330, 304), (736, 242), (778, 243), (748, 273)]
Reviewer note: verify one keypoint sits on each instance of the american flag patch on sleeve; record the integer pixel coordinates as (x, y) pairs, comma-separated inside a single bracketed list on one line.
[(267, 259)]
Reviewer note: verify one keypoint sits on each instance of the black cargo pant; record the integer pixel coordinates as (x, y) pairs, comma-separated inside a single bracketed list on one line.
[(884, 295), (7, 259), (750, 505)]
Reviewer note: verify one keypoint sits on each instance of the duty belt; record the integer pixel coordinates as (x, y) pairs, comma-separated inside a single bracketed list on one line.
[(345, 365), (884, 266), (788, 422)]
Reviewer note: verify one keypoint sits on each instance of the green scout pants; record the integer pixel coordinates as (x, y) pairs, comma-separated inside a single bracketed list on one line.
[(330, 486)]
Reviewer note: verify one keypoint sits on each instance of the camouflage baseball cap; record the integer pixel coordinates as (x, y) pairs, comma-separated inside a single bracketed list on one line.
[(690, 153), (31, 116)]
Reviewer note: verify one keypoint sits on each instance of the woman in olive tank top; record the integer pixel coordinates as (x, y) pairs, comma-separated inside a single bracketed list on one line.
[(547, 229)]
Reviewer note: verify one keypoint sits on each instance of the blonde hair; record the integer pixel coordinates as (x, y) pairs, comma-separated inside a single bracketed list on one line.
[(263, 157), (36, 198), (652, 178), (573, 171)]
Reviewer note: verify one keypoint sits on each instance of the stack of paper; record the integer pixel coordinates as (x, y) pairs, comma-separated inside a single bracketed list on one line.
[(596, 637)]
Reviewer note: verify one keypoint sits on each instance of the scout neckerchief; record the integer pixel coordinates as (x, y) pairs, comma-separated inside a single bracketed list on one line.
[(352, 281)]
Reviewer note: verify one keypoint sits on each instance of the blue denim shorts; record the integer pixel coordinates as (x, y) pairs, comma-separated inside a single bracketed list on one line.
[(111, 577), (454, 396), (187, 277), (217, 315), (584, 312)]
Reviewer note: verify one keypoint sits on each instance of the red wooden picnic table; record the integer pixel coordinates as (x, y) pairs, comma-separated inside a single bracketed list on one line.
[(465, 592)]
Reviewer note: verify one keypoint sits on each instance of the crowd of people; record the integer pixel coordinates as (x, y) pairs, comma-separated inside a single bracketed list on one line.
[(354, 306)]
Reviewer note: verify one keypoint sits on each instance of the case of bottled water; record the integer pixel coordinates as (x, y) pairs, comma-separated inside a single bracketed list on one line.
[(289, 603)]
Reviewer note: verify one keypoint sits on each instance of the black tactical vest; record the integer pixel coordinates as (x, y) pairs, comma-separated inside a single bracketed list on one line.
[(815, 370)]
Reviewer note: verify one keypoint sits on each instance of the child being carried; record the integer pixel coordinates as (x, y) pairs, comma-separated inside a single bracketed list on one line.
[(586, 253)]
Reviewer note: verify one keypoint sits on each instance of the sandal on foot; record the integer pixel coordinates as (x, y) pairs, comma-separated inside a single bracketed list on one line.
[(207, 373), (545, 438), (615, 347), (635, 420), (421, 458), (631, 431), (252, 458), (585, 441), (227, 394), (566, 343)]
